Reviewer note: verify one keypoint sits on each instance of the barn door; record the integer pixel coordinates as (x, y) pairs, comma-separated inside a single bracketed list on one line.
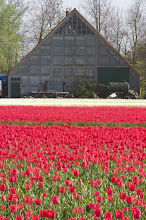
[(15, 89), (113, 74)]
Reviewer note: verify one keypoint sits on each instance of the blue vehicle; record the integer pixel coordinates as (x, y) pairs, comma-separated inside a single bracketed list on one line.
[(3, 86)]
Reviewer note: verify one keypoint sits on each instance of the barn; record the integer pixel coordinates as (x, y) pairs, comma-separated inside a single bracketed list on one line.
[(74, 48)]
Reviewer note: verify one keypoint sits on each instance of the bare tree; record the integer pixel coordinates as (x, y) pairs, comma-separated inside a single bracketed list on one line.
[(98, 11), (114, 29), (44, 16), (136, 25)]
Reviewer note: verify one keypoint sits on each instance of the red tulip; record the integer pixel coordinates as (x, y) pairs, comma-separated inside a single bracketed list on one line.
[(13, 208), (119, 214), (20, 206), (29, 213), (97, 193), (68, 183), (62, 189), (13, 190), (2, 187), (98, 212), (78, 210), (3, 198), (40, 184), (130, 199), (72, 189), (38, 201), (122, 195), (44, 195), (28, 186), (99, 199), (35, 217), (109, 191), (108, 215), (110, 198), (3, 207), (136, 213), (76, 172), (19, 217), (55, 199)]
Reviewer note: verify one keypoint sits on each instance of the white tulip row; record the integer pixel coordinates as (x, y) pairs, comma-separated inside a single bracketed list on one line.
[(73, 102)]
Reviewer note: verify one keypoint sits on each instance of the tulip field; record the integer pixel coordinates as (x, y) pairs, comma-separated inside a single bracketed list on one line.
[(72, 163)]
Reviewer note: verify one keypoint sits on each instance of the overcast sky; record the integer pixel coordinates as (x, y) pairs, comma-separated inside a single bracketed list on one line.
[(122, 4)]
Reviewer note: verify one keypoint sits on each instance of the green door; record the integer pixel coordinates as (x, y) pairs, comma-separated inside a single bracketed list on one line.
[(15, 89), (113, 74)]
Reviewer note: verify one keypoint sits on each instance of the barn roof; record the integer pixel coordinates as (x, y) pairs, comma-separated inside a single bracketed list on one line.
[(89, 24)]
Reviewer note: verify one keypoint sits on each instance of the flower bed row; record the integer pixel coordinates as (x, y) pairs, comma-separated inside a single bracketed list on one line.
[(73, 114), (67, 172)]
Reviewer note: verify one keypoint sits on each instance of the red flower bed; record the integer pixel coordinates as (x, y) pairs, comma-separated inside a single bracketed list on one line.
[(68, 172), (73, 114)]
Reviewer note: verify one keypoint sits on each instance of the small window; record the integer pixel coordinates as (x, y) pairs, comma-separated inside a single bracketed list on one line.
[(74, 26), (15, 79)]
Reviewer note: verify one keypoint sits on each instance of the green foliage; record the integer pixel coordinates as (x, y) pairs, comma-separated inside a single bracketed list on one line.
[(10, 21), (77, 124), (83, 88), (141, 67), (143, 89)]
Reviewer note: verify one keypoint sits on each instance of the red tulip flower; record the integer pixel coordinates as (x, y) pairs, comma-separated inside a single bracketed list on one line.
[(94, 217), (20, 206), (13, 208), (110, 198), (19, 217), (78, 210), (29, 213), (2, 187), (3, 207), (3, 198), (62, 190), (55, 199), (98, 212), (76, 172), (35, 217), (40, 184), (119, 214), (28, 186), (44, 195), (68, 183), (122, 195), (97, 193), (38, 201), (136, 213), (109, 191), (72, 189), (108, 215), (99, 199), (130, 199)]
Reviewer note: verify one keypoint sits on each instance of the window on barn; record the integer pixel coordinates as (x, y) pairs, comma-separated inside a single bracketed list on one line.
[(68, 72), (15, 79), (85, 71), (57, 71), (74, 25)]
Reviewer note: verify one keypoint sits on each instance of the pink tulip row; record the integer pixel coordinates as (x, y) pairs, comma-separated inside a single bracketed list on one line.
[(73, 114)]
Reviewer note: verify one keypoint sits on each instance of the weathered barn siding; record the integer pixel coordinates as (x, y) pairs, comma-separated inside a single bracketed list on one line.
[(74, 48)]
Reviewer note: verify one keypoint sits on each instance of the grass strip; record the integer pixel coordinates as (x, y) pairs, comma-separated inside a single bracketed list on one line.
[(77, 124)]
